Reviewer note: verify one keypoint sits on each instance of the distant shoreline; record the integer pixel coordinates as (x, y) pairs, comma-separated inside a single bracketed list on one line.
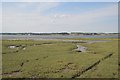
[(63, 33)]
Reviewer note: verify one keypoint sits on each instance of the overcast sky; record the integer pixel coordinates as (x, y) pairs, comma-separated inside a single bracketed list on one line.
[(60, 17)]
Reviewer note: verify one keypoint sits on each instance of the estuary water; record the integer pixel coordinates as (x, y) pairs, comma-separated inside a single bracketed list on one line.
[(39, 37)]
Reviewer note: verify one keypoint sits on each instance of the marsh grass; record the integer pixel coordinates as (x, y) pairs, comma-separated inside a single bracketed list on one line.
[(57, 59)]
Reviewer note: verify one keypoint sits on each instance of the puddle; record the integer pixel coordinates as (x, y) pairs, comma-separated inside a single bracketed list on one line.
[(80, 48)]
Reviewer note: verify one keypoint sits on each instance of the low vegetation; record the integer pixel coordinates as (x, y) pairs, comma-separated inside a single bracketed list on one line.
[(58, 59)]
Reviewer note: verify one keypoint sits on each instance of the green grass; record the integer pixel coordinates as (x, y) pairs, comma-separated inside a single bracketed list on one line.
[(107, 68), (58, 59), (0, 59)]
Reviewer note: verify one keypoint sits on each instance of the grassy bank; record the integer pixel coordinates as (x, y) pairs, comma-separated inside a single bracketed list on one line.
[(58, 59)]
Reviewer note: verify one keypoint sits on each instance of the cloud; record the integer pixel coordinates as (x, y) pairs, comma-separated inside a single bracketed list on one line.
[(36, 22), (88, 17), (28, 7)]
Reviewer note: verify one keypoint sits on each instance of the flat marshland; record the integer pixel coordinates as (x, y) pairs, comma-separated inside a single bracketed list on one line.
[(60, 58)]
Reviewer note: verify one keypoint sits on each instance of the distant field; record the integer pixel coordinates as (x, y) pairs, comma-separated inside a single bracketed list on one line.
[(59, 59)]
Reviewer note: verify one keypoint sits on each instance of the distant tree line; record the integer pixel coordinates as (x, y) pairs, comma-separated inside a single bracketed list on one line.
[(63, 33), (34, 33)]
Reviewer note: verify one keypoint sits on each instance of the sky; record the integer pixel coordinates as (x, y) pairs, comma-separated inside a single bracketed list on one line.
[(59, 17)]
